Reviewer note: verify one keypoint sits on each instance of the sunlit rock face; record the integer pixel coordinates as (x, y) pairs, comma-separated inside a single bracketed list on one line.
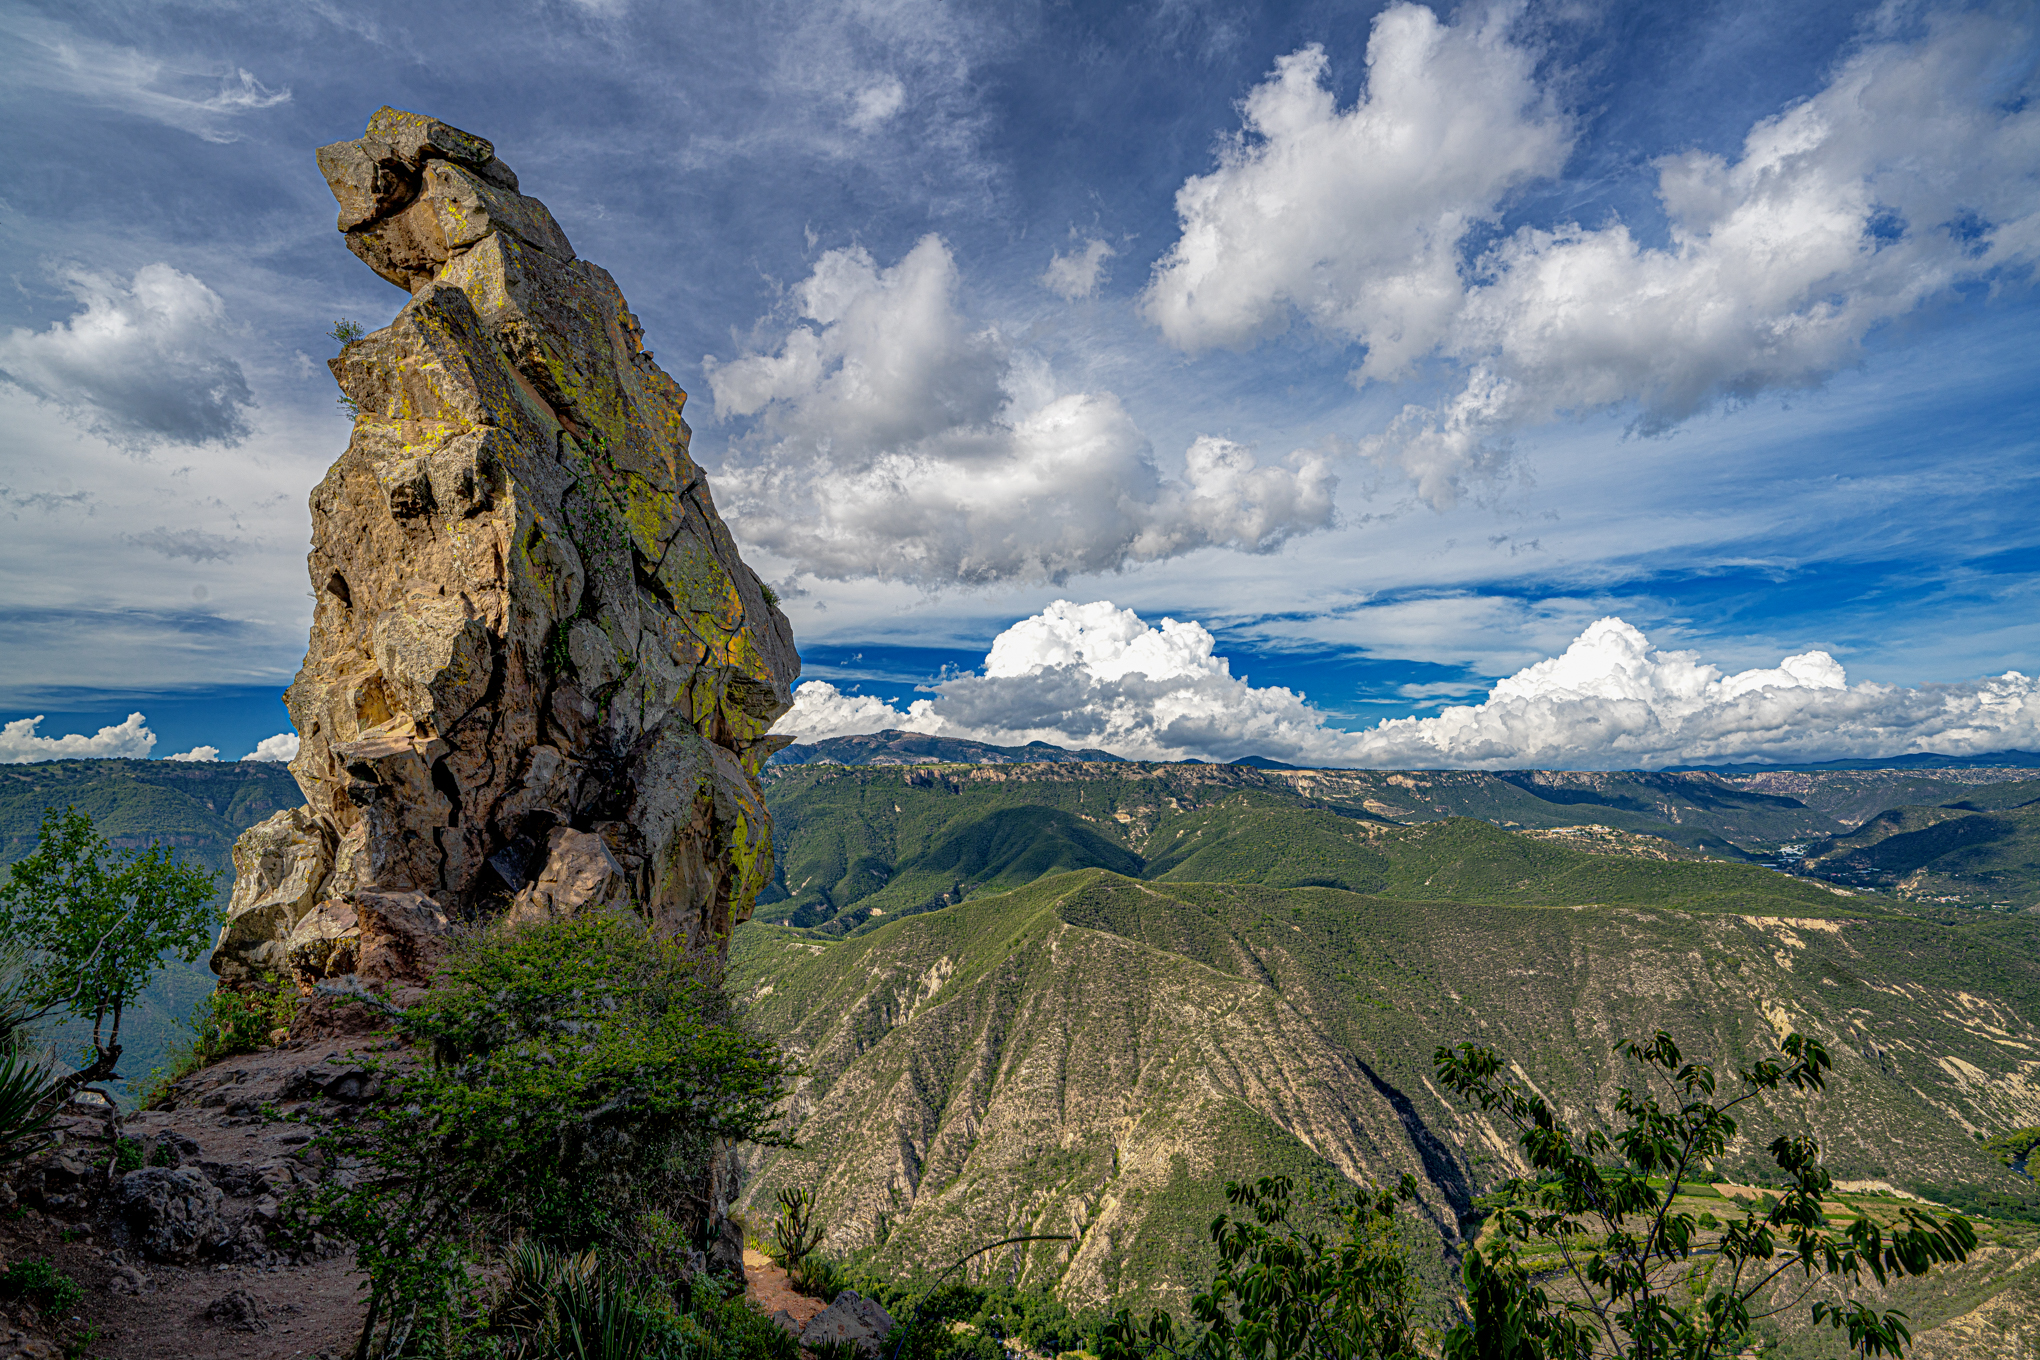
[(539, 675)]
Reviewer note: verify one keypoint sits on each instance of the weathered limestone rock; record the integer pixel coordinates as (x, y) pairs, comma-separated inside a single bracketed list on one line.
[(851, 1320), (539, 677)]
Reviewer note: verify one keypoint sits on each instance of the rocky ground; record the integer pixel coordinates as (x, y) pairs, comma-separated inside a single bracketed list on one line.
[(181, 1257)]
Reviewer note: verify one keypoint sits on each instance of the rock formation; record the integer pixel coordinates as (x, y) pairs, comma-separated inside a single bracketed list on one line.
[(539, 675)]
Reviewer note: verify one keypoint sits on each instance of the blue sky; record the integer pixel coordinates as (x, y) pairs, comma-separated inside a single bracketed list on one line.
[(1718, 319)]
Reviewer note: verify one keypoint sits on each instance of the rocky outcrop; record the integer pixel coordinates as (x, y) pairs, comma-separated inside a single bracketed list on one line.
[(852, 1320), (174, 1213), (539, 676)]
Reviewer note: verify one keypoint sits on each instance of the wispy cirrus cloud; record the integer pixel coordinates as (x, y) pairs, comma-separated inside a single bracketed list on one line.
[(204, 101)]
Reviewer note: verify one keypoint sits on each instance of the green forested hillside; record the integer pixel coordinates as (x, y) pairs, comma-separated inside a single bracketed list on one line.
[(859, 845), (1981, 848), (1852, 797), (1224, 971), (196, 806), (1096, 1054)]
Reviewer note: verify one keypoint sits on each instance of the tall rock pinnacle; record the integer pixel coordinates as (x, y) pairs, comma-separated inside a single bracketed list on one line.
[(539, 676)]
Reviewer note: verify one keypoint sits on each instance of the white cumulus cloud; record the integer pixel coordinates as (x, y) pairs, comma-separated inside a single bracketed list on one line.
[(197, 753), (1354, 218), (140, 364), (283, 748), (895, 439), (20, 743), (1914, 172), (1087, 675), (1096, 675)]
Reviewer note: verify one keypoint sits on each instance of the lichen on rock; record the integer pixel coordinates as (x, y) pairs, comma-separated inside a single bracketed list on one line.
[(539, 677)]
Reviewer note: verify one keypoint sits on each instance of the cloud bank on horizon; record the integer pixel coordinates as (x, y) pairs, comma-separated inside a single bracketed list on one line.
[(22, 744), (1096, 675)]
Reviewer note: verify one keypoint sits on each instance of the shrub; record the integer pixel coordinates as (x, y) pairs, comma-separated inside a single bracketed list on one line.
[(41, 1283), (1286, 1290), (2015, 1147), (558, 1305), (29, 1096), (565, 1081), (223, 1023)]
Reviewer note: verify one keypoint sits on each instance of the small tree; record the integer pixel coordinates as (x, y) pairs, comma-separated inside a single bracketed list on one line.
[(1283, 1290), (95, 924), (1630, 1283)]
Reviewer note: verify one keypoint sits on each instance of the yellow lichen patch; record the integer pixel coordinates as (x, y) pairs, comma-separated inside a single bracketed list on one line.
[(650, 512), (700, 587)]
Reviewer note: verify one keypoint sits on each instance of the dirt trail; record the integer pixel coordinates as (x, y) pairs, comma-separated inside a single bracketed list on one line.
[(768, 1288)]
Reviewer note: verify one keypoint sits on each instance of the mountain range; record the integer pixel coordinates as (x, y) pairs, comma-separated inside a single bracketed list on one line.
[(1040, 991), (1075, 998)]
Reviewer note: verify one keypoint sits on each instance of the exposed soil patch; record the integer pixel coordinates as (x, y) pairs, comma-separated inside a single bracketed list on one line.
[(769, 1290)]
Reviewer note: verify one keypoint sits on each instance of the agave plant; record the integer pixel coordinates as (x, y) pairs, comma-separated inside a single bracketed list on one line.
[(26, 1106), (561, 1306)]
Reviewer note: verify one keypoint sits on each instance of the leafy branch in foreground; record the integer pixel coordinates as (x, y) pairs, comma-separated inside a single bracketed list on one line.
[(1643, 1278), (1282, 1290)]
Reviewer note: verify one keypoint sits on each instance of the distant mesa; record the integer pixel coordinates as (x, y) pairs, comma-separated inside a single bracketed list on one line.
[(894, 747), (1925, 760)]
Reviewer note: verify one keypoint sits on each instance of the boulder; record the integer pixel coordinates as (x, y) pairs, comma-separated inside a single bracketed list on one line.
[(580, 874), (236, 1311), (175, 1213), (851, 1320), (539, 678)]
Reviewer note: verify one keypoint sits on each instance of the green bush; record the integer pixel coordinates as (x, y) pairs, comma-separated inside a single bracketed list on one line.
[(819, 1277), (1603, 1206), (39, 1282), (2013, 1148), (557, 1305), (1285, 1288), (563, 1083), (223, 1023), (29, 1096)]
